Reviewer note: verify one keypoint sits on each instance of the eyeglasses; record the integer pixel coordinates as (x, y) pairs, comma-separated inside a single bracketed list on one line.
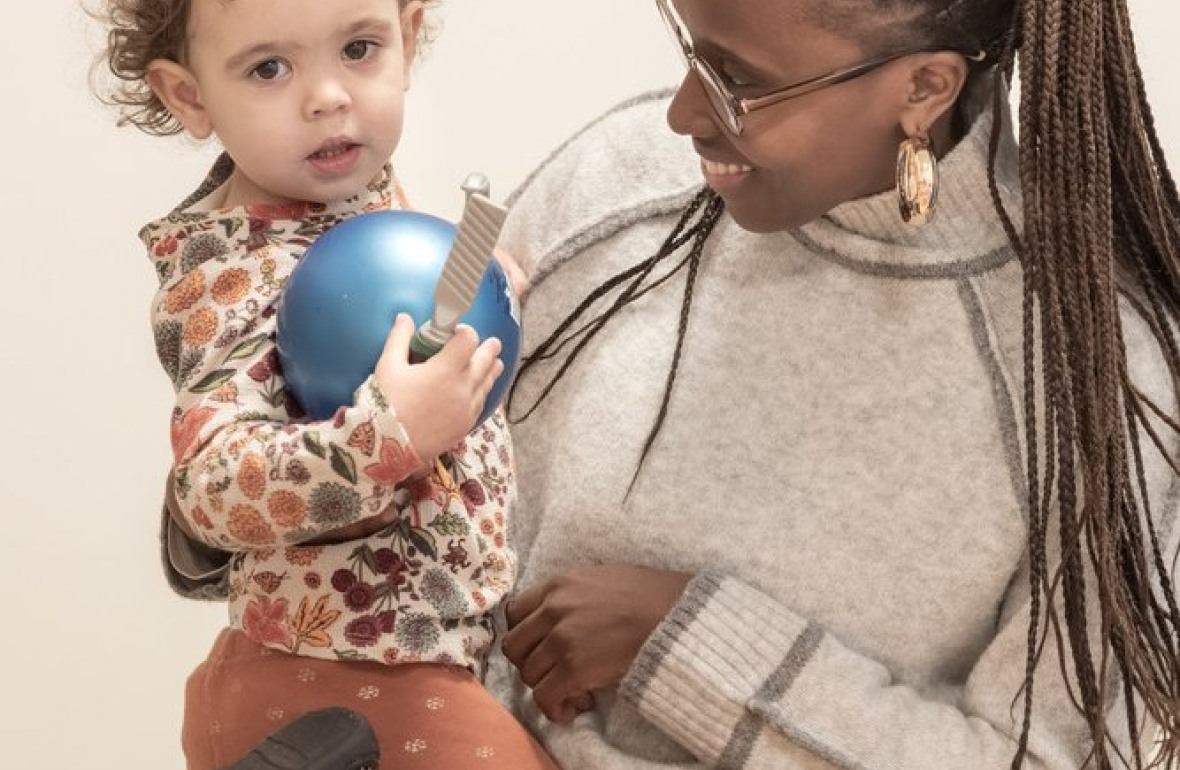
[(732, 109)]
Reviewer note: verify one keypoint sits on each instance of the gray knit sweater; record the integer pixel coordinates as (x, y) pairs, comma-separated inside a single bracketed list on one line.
[(841, 467)]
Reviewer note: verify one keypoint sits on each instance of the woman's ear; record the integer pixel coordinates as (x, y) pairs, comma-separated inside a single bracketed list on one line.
[(177, 88), (411, 20), (935, 82)]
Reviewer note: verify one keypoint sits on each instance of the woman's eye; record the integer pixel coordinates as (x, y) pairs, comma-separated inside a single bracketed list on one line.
[(270, 69), (738, 79), (359, 49)]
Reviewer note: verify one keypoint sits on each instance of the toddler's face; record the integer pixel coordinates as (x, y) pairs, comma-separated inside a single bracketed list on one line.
[(307, 96)]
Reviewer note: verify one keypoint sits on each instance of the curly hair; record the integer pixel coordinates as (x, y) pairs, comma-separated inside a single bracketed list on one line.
[(141, 31)]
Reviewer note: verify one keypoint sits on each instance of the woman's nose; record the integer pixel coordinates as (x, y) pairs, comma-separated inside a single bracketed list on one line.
[(690, 113), (326, 96)]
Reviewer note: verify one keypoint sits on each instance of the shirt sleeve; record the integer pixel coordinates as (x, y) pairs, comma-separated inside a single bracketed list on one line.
[(247, 474), (740, 679)]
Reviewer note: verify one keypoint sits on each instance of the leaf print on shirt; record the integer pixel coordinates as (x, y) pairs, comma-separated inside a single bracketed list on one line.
[(247, 348), (450, 524), (396, 462), (311, 623), (343, 463), (186, 429), (211, 381), (265, 621)]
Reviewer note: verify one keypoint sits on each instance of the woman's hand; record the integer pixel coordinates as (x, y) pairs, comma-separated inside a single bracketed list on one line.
[(512, 270), (581, 631)]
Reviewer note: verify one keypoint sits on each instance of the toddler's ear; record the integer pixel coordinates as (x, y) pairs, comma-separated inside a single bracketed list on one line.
[(178, 90), (411, 20)]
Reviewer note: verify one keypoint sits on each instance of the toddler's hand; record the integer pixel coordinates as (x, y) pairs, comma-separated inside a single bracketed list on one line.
[(438, 400)]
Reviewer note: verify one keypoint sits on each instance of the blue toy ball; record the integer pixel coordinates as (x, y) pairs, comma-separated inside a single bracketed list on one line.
[(340, 302)]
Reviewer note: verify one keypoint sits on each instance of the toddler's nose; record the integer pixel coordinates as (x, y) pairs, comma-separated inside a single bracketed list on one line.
[(326, 96)]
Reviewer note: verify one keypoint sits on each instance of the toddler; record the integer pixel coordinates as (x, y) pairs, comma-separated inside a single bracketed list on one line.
[(307, 99)]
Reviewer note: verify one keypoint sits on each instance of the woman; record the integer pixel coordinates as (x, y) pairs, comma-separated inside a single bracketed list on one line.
[(807, 483)]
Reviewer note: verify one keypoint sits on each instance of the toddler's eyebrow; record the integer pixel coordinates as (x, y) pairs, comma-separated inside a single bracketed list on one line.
[(245, 56), (375, 25), (369, 24)]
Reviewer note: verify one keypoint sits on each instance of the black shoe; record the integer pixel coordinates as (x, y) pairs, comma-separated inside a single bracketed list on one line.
[(328, 739)]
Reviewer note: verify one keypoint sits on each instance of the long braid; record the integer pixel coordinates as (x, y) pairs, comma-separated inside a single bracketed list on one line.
[(711, 214), (1097, 209), (710, 206), (1002, 74)]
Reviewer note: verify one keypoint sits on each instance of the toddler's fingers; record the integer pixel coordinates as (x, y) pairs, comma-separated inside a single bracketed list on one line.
[(459, 347), (489, 379), (484, 355), (397, 344)]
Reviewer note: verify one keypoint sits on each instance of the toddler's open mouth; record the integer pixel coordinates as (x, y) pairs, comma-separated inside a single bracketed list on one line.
[(335, 156)]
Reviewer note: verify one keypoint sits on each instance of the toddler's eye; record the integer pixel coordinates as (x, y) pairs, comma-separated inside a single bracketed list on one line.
[(359, 49), (270, 69)]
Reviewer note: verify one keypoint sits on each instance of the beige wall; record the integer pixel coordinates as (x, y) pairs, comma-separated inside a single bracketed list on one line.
[(94, 647)]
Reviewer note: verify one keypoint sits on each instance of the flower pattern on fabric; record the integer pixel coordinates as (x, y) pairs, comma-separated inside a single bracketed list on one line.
[(254, 477)]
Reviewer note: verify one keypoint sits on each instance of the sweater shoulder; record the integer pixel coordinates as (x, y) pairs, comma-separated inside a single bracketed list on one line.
[(623, 167), (1000, 300)]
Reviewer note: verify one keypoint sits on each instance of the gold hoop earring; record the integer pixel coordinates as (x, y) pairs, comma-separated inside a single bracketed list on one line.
[(917, 180)]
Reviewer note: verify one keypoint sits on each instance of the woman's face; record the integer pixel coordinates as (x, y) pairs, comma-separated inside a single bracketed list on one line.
[(797, 159)]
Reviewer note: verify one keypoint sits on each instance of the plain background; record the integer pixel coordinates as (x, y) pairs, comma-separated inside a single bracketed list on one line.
[(94, 647)]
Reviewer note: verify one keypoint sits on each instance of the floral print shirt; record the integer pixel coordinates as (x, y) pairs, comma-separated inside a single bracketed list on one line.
[(256, 478)]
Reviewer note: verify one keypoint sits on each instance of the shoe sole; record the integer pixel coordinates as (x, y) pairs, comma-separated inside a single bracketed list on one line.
[(327, 739)]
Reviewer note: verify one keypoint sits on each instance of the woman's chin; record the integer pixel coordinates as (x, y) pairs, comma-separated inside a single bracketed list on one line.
[(763, 219)]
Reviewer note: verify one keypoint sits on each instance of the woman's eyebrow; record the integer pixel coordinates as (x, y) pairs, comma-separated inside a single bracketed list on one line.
[(713, 51)]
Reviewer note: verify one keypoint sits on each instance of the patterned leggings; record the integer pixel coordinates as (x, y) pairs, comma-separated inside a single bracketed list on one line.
[(426, 716)]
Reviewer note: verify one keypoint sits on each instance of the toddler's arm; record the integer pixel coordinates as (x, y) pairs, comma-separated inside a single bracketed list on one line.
[(246, 476)]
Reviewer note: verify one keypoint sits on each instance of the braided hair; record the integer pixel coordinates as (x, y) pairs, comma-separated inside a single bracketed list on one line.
[(1101, 221)]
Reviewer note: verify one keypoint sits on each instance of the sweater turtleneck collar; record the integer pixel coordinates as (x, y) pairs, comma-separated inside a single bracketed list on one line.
[(966, 234)]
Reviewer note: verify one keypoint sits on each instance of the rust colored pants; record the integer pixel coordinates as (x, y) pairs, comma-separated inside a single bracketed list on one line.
[(426, 716)]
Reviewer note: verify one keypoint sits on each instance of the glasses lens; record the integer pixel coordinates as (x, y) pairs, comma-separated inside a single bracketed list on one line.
[(710, 82), (675, 29), (718, 96)]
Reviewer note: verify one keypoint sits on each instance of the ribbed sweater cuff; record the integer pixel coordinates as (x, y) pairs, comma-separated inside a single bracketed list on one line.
[(718, 650)]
